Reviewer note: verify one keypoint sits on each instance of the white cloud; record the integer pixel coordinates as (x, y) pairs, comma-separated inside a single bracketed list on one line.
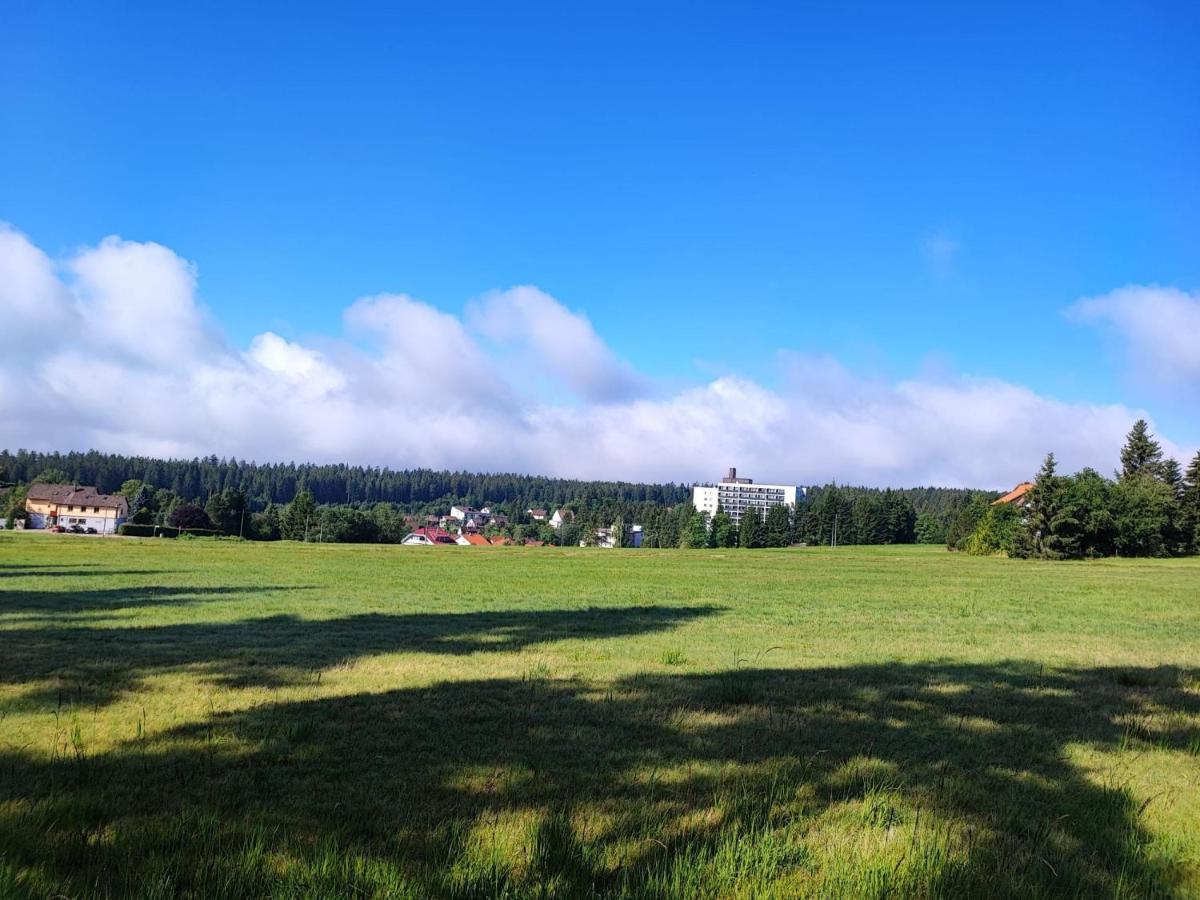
[(1159, 325), (126, 361), (555, 340)]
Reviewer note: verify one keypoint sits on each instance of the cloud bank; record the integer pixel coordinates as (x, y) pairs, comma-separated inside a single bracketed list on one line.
[(110, 349), (1160, 327)]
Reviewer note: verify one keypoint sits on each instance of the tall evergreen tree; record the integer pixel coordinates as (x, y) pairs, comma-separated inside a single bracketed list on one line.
[(1189, 507), (1141, 455), (1049, 529), (751, 530), (722, 533), (298, 517), (778, 526)]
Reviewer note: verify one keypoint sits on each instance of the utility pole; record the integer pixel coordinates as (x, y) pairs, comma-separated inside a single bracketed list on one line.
[(242, 527), (833, 538)]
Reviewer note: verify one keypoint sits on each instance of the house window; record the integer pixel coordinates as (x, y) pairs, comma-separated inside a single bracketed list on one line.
[(95, 509)]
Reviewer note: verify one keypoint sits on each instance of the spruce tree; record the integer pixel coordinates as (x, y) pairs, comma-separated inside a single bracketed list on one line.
[(751, 533), (1141, 454), (1189, 507), (722, 533), (778, 526), (296, 519), (1049, 530)]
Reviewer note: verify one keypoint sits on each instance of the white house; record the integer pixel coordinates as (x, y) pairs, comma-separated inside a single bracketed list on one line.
[(71, 505), (560, 516)]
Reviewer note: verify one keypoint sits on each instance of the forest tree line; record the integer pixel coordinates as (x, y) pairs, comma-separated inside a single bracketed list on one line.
[(412, 490), (253, 501)]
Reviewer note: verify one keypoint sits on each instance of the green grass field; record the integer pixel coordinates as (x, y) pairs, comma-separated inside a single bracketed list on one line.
[(214, 719)]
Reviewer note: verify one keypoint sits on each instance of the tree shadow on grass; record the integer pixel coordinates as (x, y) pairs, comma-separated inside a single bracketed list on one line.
[(939, 780), (81, 571), (96, 665), (53, 606)]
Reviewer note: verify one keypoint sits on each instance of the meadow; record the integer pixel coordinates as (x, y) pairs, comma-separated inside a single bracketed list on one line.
[(218, 719)]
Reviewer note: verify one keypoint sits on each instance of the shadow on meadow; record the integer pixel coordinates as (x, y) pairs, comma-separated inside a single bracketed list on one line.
[(44, 570), (939, 780), (96, 665), (53, 606)]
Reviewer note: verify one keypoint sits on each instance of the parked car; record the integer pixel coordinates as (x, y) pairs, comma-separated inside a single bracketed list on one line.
[(76, 529), (92, 531)]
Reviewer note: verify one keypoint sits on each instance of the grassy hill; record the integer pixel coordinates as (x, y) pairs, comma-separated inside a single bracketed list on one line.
[(241, 720)]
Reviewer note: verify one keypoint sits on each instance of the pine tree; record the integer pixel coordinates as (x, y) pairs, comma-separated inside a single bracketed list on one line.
[(751, 531), (297, 517), (722, 533), (1049, 530), (778, 526), (1189, 507), (1141, 454), (695, 534)]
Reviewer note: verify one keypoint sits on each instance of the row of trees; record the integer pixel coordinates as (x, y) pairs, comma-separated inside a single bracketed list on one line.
[(1149, 508), (410, 489)]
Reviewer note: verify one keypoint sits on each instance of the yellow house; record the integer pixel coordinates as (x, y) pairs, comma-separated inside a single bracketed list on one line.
[(47, 505)]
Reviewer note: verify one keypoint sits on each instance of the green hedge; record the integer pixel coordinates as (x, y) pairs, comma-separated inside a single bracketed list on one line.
[(129, 529)]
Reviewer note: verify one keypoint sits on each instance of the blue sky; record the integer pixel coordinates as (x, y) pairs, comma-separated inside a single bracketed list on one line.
[(910, 193)]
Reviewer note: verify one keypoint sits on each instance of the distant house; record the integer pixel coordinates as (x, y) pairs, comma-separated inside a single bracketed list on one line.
[(605, 537), (462, 513), (47, 505), (472, 540), (535, 543), (1018, 496), (500, 541), (560, 516), (425, 537), (538, 515)]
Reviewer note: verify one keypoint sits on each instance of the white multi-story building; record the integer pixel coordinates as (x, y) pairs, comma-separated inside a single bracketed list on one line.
[(735, 495)]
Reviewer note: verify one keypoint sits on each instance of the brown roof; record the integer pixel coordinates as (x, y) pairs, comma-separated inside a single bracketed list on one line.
[(477, 540), (1016, 495), (77, 495)]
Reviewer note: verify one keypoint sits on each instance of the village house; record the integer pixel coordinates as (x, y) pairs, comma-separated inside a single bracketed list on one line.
[(427, 537), (74, 506), (538, 515), (560, 516), (472, 539), (1018, 496)]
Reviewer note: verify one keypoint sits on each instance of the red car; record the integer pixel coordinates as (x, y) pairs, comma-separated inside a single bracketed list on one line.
[(57, 529)]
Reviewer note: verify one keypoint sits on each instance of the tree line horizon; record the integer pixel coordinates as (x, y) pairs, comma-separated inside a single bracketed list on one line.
[(1152, 508)]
